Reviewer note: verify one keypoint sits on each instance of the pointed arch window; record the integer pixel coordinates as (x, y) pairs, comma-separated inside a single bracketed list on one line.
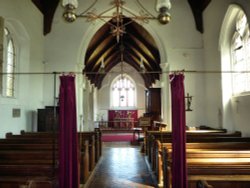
[(9, 64), (240, 52), (123, 92)]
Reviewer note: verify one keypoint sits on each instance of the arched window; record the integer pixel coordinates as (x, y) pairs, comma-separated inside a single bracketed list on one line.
[(123, 92), (240, 53), (9, 65)]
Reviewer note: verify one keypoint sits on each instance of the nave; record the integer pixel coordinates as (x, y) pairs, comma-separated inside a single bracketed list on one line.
[(121, 166)]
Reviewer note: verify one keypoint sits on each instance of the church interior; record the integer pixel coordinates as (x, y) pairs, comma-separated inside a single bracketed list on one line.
[(174, 76)]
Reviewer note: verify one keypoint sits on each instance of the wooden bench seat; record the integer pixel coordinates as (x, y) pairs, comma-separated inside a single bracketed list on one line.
[(95, 143), (27, 155), (196, 143), (167, 135), (26, 182), (16, 152), (29, 147), (220, 181), (32, 135), (153, 147), (23, 161), (205, 133), (210, 162), (94, 138), (26, 147), (27, 141), (152, 136), (195, 150), (27, 170)]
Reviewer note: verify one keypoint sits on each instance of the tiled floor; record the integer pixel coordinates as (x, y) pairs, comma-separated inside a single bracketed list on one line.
[(121, 166)]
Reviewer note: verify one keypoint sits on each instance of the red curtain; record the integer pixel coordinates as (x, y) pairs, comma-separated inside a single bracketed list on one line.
[(179, 166), (68, 144)]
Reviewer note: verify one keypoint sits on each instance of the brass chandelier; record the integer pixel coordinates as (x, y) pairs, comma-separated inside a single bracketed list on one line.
[(117, 26)]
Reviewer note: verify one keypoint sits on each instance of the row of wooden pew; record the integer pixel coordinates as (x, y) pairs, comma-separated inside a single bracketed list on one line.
[(218, 158), (31, 158)]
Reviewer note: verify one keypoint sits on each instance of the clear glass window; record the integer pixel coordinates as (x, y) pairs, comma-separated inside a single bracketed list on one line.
[(123, 92), (9, 65), (240, 52)]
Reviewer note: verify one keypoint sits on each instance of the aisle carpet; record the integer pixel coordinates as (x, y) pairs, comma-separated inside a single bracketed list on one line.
[(118, 137)]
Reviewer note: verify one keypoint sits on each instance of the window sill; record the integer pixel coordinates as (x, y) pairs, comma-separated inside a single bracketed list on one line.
[(124, 108), (244, 94)]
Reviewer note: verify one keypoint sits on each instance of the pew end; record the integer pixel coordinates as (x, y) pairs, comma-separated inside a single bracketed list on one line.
[(203, 184)]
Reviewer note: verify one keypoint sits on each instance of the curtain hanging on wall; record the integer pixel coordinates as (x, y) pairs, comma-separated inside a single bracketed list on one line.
[(179, 167), (68, 144)]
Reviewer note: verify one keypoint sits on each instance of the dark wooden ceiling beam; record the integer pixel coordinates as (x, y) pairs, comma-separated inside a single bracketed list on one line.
[(105, 38), (135, 48), (139, 45), (197, 8), (92, 65), (48, 8), (152, 77), (132, 51), (149, 46), (153, 65)]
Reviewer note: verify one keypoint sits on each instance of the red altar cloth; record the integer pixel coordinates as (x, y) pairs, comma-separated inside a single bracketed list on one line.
[(125, 118)]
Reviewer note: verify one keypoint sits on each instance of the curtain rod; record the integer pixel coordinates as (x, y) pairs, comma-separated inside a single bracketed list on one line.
[(41, 73), (142, 72)]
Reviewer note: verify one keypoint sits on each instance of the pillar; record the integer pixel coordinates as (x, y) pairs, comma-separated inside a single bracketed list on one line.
[(166, 104)]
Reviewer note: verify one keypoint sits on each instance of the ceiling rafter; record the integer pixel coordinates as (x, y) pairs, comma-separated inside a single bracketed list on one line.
[(151, 47), (134, 52), (102, 45), (134, 46)]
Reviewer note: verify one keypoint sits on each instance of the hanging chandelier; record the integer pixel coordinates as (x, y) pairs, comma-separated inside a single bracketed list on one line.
[(117, 26)]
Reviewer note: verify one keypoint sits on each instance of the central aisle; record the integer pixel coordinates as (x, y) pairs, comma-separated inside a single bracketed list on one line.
[(121, 166)]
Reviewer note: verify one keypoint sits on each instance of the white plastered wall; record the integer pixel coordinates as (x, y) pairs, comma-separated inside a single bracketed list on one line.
[(28, 37)]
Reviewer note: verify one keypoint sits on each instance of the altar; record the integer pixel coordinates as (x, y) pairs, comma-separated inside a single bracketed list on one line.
[(123, 123), (125, 119)]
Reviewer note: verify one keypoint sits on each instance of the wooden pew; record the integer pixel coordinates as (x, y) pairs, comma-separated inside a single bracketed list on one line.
[(84, 162), (202, 184), (44, 170), (218, 165), (25, 147), (97, 140), (191, 137), (21, 175), (165, 136), (92, 144), (26, 182), (92, 137), (44, 148), (17, 175), (33, 145), (197, 146), (158, 135), (97, 143)]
